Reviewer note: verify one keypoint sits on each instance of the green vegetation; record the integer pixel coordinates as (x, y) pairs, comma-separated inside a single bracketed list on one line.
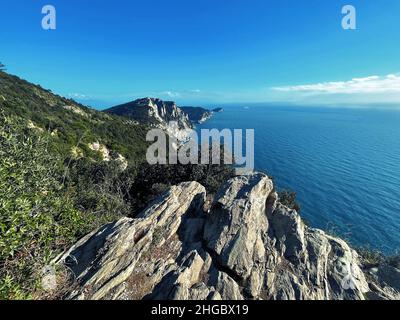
[(371, 258), (37, 216), (196, 114), (152, 180), (101, 188), (54, 188), (72, 125), (288, 199)]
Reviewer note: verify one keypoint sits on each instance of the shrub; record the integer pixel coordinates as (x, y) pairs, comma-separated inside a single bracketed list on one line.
[(101, 188), (152, 180), (37, 217), (373, 257), (370, 257), (288, 199)]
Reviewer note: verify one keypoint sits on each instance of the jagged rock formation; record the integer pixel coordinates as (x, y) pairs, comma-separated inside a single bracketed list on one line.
[(384, 281), (106, 154), (247, 246), (165, 115), (76, 110)]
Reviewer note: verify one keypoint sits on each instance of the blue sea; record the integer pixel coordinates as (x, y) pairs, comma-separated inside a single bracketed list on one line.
[(343, 163)]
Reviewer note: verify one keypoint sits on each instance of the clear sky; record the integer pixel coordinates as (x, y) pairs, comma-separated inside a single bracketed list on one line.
[(206, 51)]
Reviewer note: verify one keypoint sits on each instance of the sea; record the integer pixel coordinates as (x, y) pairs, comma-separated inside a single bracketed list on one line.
[(343, 164)]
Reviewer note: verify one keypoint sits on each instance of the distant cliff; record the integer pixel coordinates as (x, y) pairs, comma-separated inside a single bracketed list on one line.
[(159, 113), (246, 245), (197, 115), (217, 110)]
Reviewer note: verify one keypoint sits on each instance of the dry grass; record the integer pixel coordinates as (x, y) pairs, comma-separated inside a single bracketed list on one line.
[(65, 283), (140, 283)]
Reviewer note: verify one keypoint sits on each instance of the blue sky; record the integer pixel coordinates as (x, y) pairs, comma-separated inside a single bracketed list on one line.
[(206, 51)]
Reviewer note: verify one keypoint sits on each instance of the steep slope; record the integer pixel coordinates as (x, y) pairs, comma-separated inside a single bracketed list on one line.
[(247, 246), (197, 115), (75, 129), (156, 113), (63, 173), (217, 110)]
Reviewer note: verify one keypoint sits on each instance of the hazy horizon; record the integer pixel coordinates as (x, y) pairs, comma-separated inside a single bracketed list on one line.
[(207, 53)]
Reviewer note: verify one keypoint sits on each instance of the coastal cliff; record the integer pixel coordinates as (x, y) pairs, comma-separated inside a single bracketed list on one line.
[(245, 245), (67, 169), (197, 115), (166, 115)]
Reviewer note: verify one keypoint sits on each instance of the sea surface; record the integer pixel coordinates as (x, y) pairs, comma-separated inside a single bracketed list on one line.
[(343, 163)]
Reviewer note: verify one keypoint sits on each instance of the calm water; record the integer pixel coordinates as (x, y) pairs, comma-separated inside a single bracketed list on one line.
[(344, 165)]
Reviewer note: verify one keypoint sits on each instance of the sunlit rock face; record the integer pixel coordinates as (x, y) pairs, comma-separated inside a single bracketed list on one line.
[(247, 246), (165, 115)]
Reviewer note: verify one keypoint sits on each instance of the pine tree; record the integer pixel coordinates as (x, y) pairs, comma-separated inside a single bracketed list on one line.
[(2, 67)]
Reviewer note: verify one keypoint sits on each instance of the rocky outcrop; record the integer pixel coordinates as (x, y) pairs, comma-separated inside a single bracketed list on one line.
[(76, 110), (106, 154), (384, 281), (165, 115), (247, 246), (130, 256), (102, 149)]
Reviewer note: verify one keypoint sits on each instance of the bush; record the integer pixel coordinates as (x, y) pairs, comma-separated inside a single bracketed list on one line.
[(288, 199), (371, 258), (37, 217), (153, 180), (101, 188)]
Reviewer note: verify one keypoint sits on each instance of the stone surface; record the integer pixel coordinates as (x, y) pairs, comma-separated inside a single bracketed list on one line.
[(165, 115), (246, 246)]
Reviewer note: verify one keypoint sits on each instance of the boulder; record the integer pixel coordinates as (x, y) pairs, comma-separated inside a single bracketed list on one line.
[(246, 246)]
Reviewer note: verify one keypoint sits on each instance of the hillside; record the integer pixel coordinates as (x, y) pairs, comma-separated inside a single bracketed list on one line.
[(73, 126), (156, 113), (189, 232), (65, 170), (197, 114)]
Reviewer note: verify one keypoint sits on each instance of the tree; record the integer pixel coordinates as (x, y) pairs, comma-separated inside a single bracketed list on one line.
[(2, 67)]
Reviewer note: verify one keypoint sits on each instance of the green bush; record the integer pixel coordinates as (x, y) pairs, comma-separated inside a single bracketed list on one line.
[(152, 180), (37, 217), (101, 188)]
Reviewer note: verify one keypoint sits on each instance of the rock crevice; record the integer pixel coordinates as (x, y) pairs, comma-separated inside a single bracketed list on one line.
[(247, 246)]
